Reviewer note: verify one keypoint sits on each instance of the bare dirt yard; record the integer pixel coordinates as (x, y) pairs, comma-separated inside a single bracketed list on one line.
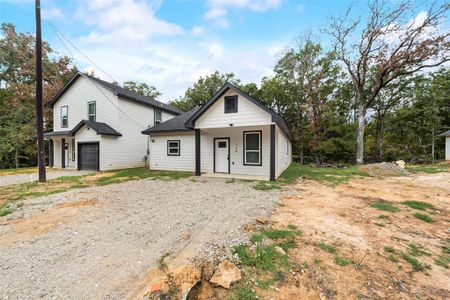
[(102, 242), (370, 238)]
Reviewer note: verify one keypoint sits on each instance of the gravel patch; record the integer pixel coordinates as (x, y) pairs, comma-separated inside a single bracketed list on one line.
[(100, 250), (30, 177)]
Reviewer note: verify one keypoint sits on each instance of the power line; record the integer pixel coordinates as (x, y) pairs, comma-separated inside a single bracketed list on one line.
[(97, 85)]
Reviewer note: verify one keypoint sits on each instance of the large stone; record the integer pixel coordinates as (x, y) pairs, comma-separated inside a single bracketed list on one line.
[(400, 163), (226, 274)]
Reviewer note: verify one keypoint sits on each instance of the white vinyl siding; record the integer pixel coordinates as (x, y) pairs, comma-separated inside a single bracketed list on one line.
[(159, 160), (248, 114), (283, 156)]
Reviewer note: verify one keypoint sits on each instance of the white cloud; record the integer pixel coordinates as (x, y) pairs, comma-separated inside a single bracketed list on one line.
[(218, 9), (51, 14), (123, 21), (198, 30)]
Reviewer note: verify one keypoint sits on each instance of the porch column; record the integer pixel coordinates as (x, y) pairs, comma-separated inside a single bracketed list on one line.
[(63, 153), (50, 153), (197, 153), (272, 152)]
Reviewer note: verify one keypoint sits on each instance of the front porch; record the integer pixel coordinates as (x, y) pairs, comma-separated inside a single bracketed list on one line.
[(61, 150), (242, 152)]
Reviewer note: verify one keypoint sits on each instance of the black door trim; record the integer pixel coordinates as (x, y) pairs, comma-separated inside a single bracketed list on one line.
[(79, 153), (214, 153)]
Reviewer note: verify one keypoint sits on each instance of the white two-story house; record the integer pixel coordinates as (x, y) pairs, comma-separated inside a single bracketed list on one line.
[(97, 125), (232, 134)]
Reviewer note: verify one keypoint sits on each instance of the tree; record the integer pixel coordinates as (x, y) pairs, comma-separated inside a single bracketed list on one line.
[(391, 45), (387, 100), (142, 88), (203, 90), (17, 88)]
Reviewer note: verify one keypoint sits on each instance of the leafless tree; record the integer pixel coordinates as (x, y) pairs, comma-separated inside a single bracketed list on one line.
[(394, 42)]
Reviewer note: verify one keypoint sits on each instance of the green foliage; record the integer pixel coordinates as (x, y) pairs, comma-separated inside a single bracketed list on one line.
[(389, 249), (416, 264), (417, 250), (385, 206), (142, 88), (423, 217), (420, 205)]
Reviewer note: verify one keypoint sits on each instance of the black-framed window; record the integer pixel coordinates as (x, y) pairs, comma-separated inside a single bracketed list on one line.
[(64, 116), (92, 111), (158, 117), (252, 148), (73, 150), (173, 147), (231, 104)]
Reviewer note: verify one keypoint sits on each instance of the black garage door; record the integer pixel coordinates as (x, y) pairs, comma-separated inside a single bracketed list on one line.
[(88, 156)]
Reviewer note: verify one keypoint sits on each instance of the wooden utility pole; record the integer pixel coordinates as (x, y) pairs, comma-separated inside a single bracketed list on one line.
[(39, 114)]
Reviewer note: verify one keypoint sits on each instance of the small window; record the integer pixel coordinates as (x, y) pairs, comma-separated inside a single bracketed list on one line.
[(64, 116), (73, 150), (287, 147), (222, 144), (92, 110), (158, 117), (252, 148), (173, 148), (231, 104)]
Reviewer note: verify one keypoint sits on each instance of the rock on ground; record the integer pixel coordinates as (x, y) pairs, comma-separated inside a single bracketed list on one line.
[(226, 274)]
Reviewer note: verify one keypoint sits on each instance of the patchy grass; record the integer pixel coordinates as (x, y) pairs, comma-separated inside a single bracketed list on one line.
[(325, 247), (341, 261), (415, 263), (420, 205), (443, 261), (430, 169), (20, 192), (417, 250), (423, 217), (263, 264), (380, 224), (389, 249), (332, 176), (385, 206), (15, 171), (161, 261), (383, 217), (267, 185)]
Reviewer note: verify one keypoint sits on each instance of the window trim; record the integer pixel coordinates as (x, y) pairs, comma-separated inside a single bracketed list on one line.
[(154, 117), (73, 149), (67, 116), (95, 111), (235, 97), (244, 161), (179, 147)]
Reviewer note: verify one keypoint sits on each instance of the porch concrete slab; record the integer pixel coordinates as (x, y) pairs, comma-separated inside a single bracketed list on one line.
[(235, 176)]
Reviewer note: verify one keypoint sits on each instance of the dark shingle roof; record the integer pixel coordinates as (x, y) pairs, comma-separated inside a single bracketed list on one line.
[(100, 128), (175, 124), (121, 92), (276, 118), (57, 133), (446, 133)]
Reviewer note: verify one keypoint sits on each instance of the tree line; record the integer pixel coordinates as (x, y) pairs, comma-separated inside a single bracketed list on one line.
[(378, 90)]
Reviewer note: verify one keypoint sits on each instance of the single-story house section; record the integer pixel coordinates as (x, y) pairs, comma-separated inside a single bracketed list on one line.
[(446, 135), (232, 133)]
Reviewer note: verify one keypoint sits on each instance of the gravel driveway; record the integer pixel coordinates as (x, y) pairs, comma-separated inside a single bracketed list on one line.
[(95, 243), (29, 177)]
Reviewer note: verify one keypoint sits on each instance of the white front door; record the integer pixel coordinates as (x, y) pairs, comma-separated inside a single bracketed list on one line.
[(221, 155), (66, 154)]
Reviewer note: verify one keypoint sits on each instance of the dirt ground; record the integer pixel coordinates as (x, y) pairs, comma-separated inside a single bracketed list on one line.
[(103, 242), (343, 217)]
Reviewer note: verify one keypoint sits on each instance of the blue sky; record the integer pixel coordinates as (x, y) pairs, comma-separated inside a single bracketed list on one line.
[(170, 43)]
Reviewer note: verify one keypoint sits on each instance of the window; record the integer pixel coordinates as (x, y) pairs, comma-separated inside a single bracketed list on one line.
[(173, 148), (64, 116), (92, 110), (158, 117), (73, 150), (222, 145), (252, 148), (231, 104), (287, 147)]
